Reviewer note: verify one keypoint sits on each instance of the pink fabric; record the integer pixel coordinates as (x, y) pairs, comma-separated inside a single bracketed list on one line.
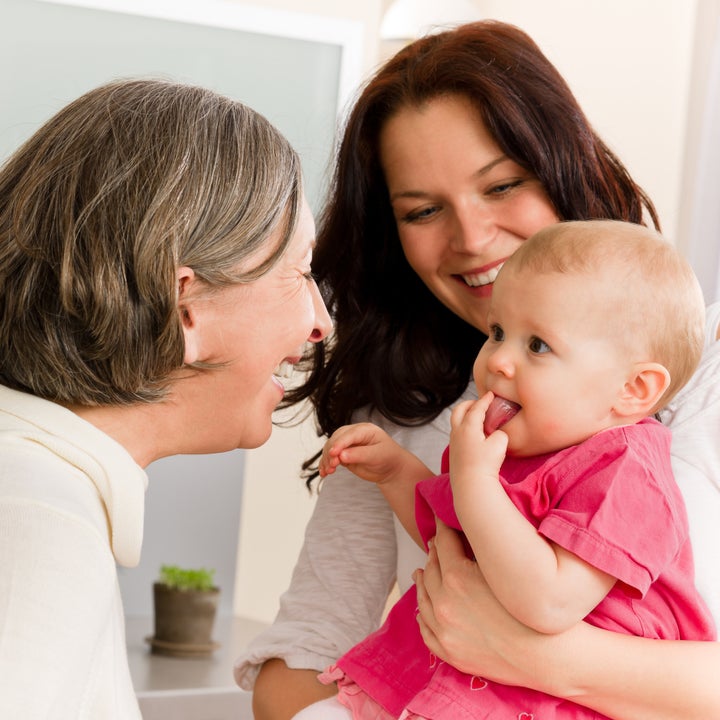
[(612, 501), (355, 699)]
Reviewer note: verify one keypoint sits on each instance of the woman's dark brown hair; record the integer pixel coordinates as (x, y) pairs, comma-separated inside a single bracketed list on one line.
[(396, 348)]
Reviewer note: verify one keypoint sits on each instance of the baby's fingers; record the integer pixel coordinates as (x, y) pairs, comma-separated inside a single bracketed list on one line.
[(459, 411), (471, 411), (328, 462), (494, 449)]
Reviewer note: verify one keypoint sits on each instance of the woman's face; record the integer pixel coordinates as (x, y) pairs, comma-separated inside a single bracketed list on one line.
[(461, 206), (254, 329)]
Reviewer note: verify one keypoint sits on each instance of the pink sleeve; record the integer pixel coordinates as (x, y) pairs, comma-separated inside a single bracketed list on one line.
[(620, 509)]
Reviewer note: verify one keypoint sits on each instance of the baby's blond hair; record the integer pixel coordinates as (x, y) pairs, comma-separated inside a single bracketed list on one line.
[(655, 306)]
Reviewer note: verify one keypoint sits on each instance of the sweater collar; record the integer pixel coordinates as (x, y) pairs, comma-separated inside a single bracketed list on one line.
[(119, 480)]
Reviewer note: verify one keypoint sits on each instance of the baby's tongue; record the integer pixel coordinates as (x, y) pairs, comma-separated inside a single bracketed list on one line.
[(499, 412)]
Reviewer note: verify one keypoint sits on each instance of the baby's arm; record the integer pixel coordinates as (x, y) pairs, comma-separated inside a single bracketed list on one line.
[(541, 584), (371, 454)]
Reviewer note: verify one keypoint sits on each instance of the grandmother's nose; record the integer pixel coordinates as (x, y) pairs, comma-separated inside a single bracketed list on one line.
[(323, 323)]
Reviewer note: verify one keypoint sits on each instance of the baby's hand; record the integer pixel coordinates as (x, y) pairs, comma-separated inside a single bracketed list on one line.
[(330, 456), (364, 449), (329, 459), (471, 452)]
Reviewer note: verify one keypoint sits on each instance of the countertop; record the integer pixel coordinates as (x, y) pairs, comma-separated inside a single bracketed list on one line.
[(190, 688)]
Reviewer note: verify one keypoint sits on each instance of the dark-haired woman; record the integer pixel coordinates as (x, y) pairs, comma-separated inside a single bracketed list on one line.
[(458, 149)]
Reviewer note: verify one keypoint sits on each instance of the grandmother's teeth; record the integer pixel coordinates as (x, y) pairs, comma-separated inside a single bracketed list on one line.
[(284, 370)]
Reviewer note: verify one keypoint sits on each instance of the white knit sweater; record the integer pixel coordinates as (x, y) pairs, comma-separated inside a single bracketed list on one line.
[(71, 505)]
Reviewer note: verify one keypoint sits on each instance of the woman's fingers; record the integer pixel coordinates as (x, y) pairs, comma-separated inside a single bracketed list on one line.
[(425, 617), (445, 549)]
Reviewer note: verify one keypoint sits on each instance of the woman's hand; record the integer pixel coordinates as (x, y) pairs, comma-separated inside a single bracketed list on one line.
[(463, 623), (621, 676), (460, 619)]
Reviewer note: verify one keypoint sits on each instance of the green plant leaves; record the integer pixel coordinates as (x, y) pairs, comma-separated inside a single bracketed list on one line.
[(187, 579)]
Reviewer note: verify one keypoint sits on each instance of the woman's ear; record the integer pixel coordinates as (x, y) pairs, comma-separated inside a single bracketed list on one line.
[(186, 308), (642, 392)]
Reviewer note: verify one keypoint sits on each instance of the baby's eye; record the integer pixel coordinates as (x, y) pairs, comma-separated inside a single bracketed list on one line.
[(538, 346), (496, 333)]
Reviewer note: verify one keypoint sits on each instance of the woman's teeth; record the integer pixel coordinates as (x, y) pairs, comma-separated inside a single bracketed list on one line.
[(483, 278)]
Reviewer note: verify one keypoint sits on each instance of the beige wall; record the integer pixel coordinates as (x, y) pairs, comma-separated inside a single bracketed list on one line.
[(629, 63)]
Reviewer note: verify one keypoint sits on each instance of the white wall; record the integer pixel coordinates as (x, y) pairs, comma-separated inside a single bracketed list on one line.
[(629, 64)]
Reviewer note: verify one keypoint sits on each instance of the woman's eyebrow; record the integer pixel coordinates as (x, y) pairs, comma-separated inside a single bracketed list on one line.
[(479, 173)]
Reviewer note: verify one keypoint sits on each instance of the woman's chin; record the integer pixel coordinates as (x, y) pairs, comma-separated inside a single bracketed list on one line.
[(255, 433)]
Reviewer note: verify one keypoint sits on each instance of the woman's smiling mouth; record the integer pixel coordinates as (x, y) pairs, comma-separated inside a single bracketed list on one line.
[(481, 277)]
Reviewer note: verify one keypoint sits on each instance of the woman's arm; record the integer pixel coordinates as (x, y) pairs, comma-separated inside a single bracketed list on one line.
[(622, 676), (280, 692), (337, 594)]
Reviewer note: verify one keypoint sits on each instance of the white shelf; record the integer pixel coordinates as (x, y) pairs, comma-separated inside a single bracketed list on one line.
[(190, 688)]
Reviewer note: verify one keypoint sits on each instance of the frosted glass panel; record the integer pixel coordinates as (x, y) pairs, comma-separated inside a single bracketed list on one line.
[(50, 54)]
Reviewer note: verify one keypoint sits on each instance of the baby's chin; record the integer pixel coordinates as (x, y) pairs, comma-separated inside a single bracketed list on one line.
[(500, 412)]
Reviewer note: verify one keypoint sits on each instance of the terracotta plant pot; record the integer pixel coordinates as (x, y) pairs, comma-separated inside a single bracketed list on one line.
[(184, 621)]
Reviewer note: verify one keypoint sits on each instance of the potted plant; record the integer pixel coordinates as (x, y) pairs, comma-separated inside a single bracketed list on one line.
[(185, 602)]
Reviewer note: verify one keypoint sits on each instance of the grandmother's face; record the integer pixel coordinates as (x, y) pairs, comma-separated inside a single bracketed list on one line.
[(255, 330)]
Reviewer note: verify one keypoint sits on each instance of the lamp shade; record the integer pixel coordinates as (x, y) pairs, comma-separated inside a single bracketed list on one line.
[(410, 19)]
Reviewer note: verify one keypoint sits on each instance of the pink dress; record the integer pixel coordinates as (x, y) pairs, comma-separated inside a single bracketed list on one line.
[(612, 501)]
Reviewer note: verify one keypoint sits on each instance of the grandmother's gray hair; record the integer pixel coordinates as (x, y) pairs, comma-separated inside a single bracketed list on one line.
[(98, 210)]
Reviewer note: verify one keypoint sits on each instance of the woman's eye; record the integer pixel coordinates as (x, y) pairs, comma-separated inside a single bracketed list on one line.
[(539, 346), (504, 187), (419, 215)]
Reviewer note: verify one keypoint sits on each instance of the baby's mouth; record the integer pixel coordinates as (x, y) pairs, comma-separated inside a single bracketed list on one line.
[(501, 411)]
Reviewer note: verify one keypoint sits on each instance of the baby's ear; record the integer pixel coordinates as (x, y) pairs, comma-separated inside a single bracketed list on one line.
[(643, 390)]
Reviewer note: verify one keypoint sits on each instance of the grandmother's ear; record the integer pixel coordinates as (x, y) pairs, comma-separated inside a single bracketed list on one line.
[(643, 390), (186, 308)]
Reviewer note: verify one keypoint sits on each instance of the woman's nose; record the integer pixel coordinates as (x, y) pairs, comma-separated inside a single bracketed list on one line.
[(323, 323), (474, 228)]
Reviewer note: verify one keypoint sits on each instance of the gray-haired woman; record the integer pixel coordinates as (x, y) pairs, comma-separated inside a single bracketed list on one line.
[(155, 250)]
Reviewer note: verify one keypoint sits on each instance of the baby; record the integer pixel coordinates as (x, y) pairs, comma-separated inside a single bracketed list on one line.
[(558, 475)]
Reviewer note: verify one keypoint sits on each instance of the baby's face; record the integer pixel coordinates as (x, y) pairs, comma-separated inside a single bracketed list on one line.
[(552, 351)]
